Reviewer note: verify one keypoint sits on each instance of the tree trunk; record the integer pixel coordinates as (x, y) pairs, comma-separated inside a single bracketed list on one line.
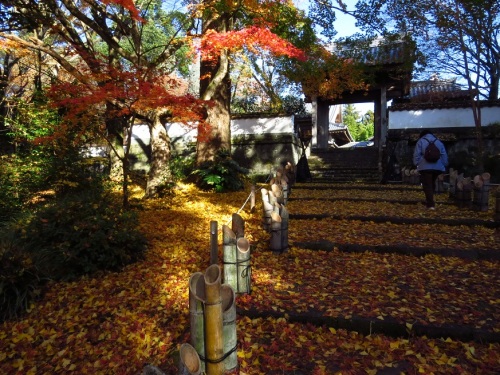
[(215, 86), (159, 176), (216, 134)]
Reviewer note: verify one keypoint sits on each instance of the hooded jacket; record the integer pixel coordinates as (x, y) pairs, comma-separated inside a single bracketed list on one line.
[(418, 154)]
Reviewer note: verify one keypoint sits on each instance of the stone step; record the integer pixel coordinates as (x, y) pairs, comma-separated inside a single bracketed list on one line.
[(345, 165)]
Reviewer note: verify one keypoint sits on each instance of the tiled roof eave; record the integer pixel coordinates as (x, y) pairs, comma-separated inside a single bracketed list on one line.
[(440, 105)]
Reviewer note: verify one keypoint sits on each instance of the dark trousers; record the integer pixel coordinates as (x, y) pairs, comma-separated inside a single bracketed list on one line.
[(428, 179)]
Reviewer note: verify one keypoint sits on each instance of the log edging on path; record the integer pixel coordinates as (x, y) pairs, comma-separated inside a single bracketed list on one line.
[(357, 187), (371, 200), (471, 254), (389, 326), (400, 220)]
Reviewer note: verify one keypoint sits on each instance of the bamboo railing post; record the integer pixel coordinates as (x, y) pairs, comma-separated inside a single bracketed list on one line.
[(265, 195), (463, 192), (290, 174), (229, 327), (284, 189), (252, 199), (238, 225), (214, 346), (267, 210), (453, 183), (189, 363), (272, 198), (481, 192), (214, 250), (275, 232), (284, 229), (439, 188), (229, 257), (497, 206), (196, 318), (278, 193), (243, 267)]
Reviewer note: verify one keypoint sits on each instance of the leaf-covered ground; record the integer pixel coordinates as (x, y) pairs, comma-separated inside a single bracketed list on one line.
[(310, 311)]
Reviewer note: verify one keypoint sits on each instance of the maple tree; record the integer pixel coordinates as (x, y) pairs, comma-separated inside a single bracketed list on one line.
[(111, 85), (227, 28)]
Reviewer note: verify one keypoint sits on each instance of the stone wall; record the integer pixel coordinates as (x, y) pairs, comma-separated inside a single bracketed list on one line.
[(460, 143), (258, 143)]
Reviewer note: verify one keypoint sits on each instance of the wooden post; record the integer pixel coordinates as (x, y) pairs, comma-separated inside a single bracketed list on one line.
[(214, 250), (214, 346), (243, 267), (229, 327), (229, 257), (189, 363), (238, 225), (196, 301)]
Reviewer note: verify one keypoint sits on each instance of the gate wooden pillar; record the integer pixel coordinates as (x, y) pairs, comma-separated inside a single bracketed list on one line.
[(320, 127), (380, 118)]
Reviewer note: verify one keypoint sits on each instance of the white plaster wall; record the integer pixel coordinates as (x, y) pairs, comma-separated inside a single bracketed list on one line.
[(273, 125), (178, 130), (269, 125), (441, 118)]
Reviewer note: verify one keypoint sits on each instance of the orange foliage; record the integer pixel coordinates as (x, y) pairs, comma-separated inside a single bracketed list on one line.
[(130, 92), (251, 38), (127, 4)]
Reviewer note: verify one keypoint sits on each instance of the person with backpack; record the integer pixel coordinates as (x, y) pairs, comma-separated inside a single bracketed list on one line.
[(431, 160)]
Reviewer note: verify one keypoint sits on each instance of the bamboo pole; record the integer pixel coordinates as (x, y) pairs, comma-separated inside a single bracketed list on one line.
[(196, 301), (189, 363), (229, 327), (229, 257), (243, 260), (238, 225), (214, 346), (214, 250)]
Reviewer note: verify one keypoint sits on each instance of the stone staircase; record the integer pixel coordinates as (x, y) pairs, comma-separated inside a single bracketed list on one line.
[(345, 165)]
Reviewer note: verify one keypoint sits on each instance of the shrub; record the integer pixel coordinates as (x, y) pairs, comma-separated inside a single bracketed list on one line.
[(222, 174), (81, 234), (182, 165), (19, 281)]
